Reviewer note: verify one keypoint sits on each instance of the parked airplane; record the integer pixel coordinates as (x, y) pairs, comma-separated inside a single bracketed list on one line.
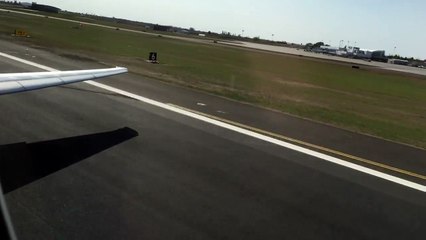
[(21, 82)]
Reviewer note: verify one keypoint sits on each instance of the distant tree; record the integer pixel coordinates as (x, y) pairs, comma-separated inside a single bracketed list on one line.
[(309, 46), (225, 35), (317, 45), (256, 39)]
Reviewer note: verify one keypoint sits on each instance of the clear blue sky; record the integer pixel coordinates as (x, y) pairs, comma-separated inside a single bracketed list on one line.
[(373, 24)]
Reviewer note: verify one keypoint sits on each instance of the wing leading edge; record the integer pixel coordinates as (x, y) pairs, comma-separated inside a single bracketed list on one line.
[(21, 82)]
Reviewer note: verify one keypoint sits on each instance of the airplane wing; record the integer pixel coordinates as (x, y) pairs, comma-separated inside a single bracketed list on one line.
[(21, 82)]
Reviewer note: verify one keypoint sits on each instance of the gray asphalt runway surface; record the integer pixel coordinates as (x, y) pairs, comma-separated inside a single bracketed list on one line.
[(85, 163)]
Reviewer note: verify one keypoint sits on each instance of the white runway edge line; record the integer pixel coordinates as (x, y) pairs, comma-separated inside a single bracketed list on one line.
[(281, 143)]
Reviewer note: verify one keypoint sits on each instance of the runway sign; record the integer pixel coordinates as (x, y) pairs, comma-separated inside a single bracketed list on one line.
[(153, 57), (20, 33)]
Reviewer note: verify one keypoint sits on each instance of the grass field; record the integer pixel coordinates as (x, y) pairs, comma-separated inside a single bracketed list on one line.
[(384, 104)]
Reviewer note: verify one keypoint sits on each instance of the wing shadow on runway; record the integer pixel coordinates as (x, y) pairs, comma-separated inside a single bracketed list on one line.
[(23, 163)]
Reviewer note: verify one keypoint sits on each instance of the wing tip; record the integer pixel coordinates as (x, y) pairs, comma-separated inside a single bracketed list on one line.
[(123, 69)]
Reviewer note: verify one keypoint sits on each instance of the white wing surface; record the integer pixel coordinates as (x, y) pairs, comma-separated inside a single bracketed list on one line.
[(20, 82)]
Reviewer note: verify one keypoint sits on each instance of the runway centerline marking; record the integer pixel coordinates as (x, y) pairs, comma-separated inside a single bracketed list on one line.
[(241, 130)]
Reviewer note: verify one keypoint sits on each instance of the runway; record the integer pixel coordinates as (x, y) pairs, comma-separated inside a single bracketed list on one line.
[(106, 166)]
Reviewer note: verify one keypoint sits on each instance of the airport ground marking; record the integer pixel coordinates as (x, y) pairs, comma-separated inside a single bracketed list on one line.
[(310, 145), (247, 132)]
